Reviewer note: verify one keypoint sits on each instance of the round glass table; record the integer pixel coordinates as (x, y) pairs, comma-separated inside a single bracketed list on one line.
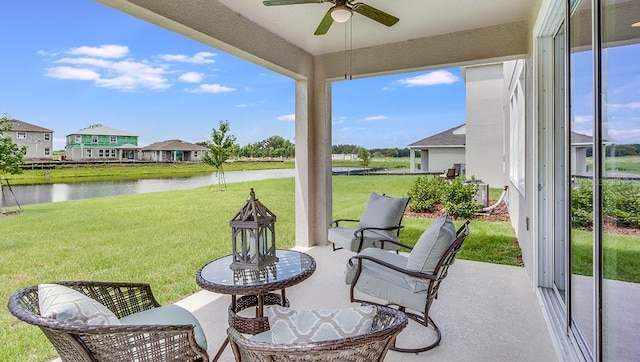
[(255, 286)]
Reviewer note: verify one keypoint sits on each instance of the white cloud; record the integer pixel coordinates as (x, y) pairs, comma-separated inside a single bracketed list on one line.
[(431, 78), (103, 51), (583, 119), (191, 77), (123, 75), (625, 135), (247, 105), (339, 121), (198, 58), (631, 105), (72, 73), (212, 88), (375, 118), (287, 117), (101, 63)]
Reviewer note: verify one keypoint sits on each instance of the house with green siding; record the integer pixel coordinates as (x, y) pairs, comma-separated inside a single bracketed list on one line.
[(98, 142)]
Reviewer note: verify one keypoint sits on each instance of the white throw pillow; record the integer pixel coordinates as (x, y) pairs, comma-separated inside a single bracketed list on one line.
[(302, 326), (383, 211), (426, 254), (70, 306)]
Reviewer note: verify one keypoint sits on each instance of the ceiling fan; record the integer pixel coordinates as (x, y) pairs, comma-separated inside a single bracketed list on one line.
[(340, 12)]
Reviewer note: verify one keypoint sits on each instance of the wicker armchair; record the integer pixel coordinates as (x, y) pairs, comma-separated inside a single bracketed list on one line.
[(156, 342), (387, 323)]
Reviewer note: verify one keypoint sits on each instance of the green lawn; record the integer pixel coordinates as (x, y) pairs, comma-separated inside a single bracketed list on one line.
[(628, 164)]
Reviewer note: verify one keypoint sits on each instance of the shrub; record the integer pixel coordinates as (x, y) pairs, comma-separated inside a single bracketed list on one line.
[(458, 198), (582, 204), (621, 203), (425, 192)]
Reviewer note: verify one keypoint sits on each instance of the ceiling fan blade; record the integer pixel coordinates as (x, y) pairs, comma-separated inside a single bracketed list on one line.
[(290, 2), (375, 14), (325, 24)]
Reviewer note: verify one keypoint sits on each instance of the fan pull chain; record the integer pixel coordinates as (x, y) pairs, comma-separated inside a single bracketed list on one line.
[(348, 47), (345, 51)]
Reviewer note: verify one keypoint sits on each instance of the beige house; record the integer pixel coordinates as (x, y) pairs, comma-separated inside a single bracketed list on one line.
[(38, 140), (524, 50), (448, 148), (172, 151)]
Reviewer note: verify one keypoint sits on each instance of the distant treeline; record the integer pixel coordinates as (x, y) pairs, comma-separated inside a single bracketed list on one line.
[(375, 152), (276, 146), (619, 150)]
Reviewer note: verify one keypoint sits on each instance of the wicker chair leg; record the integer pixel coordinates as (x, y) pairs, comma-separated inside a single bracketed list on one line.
[(427, 323)]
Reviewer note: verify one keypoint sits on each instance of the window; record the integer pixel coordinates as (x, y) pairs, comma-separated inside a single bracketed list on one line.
[(94, 139), (78, 139), (22, 135), (517, 134), (113, 153), (195, 154), (88, 153), (113, 139), (100, 153), (47, 136), (47, 152)]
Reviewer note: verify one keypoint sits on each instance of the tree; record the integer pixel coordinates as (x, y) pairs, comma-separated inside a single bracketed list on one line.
[(365, 156), (220, 148), (11, 157)]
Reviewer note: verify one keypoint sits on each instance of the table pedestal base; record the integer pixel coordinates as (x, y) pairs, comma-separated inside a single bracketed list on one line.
[(259, 323)]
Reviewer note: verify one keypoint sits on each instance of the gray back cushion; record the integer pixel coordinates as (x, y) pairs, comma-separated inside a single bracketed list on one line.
[(383, 211), (433, 242)]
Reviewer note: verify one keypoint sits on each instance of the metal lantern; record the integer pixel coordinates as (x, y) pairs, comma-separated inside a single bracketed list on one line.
[(253, 236)]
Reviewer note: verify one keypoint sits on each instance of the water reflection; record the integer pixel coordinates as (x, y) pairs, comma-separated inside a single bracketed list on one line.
[(37, 194)]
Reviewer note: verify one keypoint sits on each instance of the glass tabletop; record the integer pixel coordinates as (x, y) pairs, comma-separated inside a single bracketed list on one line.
[(291, 268)]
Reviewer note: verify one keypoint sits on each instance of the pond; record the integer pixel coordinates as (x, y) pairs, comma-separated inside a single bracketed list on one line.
[(37, 194)]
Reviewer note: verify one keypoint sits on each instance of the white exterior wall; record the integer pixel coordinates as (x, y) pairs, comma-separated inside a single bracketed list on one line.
[(441, 159), (521, 201), (578, 160), (36, 144), (485, 123)]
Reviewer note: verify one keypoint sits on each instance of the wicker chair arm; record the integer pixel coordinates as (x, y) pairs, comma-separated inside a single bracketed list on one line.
[(336, 223), (412, 273)]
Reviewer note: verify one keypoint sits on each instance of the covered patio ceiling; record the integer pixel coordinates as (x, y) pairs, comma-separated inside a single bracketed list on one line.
[(429, 34)]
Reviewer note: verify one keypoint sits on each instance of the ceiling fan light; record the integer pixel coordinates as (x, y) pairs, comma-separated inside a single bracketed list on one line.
[(340, 13)]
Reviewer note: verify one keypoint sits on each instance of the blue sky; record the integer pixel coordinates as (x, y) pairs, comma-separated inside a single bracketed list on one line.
[(68, 64)]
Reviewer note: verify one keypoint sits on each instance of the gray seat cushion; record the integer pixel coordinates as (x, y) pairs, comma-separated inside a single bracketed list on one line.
[(384, 283), (168, 315), (345, 238)]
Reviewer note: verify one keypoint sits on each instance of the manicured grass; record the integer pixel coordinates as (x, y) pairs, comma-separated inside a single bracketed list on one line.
[(621, 255), (629, 164)]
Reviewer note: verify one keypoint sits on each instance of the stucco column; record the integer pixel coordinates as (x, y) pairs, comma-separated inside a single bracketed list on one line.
[(412, 160), (313, 162)]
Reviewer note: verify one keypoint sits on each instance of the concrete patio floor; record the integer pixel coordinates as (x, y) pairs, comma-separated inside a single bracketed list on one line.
[(486, 312)]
